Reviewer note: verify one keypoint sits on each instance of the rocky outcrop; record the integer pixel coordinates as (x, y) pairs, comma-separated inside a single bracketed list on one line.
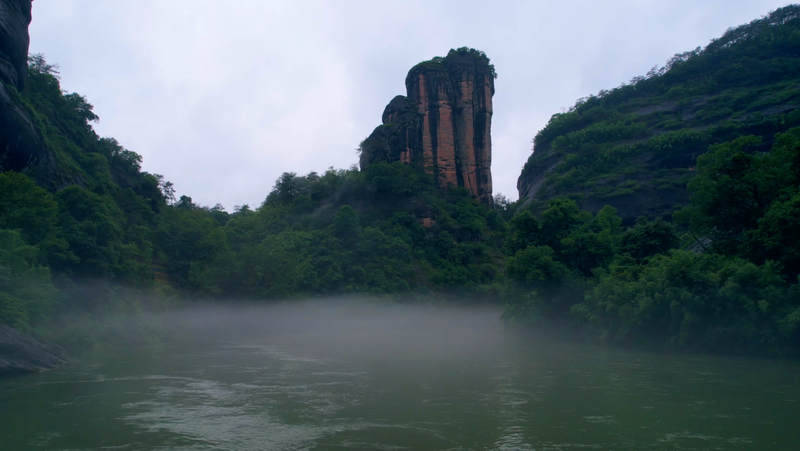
[(25, 354), (15, 16), (22, 146), (443, 124)]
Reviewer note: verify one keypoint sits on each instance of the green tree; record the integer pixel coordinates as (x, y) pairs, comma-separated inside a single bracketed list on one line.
[(523, 232), (26, 293), (91, 227), (190, 241), (287, 188), (647, 238), (778, 236), (28, 208), (688, 300), (345, 223), (536, 269), (594, 243), (735, 188), (559, 220)]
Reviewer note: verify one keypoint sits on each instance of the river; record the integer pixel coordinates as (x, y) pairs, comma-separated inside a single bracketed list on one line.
[(394, 378)]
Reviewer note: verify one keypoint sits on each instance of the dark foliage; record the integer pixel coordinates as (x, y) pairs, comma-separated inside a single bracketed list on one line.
[(719, 274), (638, 144)]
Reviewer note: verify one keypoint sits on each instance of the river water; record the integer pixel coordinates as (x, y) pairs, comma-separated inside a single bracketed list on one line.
[(394, 378)]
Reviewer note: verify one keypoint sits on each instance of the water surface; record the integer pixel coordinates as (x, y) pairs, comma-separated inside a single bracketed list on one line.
[(392, 378)]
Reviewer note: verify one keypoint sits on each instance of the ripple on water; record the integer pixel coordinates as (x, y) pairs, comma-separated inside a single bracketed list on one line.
[(603, 419), (215, 415), (273, 397), (686, 438)]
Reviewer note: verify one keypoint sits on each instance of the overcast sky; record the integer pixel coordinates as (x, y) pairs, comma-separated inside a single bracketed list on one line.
[(223, 96)]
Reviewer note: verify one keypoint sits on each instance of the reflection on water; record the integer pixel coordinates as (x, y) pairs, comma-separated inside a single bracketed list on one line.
[(393, 378)]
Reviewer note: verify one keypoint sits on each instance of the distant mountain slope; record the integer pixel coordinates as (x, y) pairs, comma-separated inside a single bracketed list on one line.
[(635, 147)]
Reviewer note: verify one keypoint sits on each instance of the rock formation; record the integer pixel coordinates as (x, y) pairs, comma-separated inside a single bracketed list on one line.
[(25, 354), (443, 124), (22, 146), (15, 16)]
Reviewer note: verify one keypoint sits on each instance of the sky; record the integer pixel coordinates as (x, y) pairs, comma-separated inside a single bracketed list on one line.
[(221, 97)]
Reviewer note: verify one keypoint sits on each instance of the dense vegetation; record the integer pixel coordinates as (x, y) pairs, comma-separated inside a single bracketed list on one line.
[(733, 285), (456, 58), (107, 226), (92, 225), (720, 273), (635, 146), (344, 231), (716, 128)]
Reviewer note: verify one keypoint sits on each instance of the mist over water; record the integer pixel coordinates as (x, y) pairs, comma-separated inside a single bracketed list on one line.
[(352, 328), (344, 374)]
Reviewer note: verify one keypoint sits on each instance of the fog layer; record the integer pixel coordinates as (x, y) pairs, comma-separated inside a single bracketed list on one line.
[(348, 328)]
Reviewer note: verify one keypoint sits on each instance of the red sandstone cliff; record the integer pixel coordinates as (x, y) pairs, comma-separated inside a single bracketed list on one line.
[(443, 124)]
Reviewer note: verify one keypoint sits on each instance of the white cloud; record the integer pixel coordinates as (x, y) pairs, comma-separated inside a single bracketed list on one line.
[(222, 97)]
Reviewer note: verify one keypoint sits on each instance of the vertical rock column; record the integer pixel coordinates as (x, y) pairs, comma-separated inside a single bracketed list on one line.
[(15, 16), (483, 138), (431, 89), (444, 125), (22, 146), (418, 93), (473, 121), (446, 161), (465, 124)]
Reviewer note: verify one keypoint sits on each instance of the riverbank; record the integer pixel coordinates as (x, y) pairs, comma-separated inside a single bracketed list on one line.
[(23, 353)]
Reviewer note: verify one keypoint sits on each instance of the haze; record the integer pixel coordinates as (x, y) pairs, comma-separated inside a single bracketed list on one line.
[(342, 327), (222, 97), (359, 374)]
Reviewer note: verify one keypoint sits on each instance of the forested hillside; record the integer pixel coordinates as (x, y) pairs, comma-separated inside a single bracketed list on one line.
[(635, 147), (94, 220), (730, 283), (104, 220), (85, 232), (700, 159)]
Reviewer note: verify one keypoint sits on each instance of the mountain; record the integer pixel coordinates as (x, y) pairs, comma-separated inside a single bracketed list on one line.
[(84, 232), (635, 147), (443, 124), (73, 206)]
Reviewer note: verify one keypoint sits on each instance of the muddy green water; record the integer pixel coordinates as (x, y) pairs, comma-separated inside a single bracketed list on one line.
[(446, 382)]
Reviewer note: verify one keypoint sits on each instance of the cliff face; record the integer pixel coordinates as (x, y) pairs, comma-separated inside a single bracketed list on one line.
[(443, 124), (21, 145), (15, 16)]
